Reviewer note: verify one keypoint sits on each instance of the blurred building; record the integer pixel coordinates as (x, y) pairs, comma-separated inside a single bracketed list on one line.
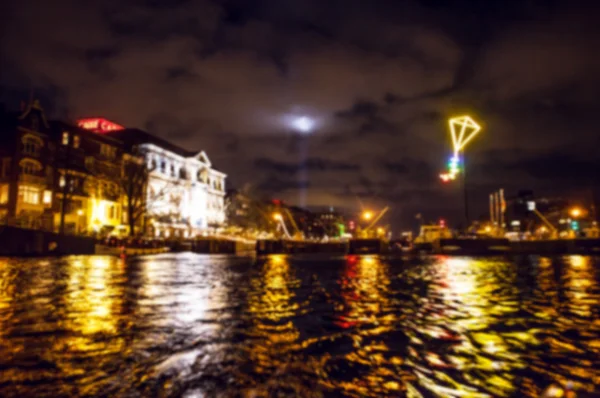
[(26, 173), (185, 194), (329, 223), (48, 166), (68, 177), (533, 214)]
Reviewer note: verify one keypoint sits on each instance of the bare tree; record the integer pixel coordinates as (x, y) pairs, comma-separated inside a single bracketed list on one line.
[(140, 198), (244, 210), (133, 182)]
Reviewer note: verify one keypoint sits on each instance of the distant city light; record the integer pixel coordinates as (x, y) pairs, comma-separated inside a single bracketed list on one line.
[(575, 225), (575, 212), (303, 124)]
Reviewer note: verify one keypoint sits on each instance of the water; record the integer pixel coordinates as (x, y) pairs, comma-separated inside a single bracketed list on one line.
[(194, 326)]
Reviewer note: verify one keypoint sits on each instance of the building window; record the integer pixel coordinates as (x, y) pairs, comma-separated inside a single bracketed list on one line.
[(75, 141), (3, 194), (5, 167), (31, 146), (108, 151), (62, 181), (35, 123), (89, 163), (29, 195), (29, 167), (163, 166), (172, 171), (65, 138), (47, 199)]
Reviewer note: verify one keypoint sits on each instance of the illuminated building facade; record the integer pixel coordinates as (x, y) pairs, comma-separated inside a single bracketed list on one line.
[(67, 177), (46, 165), (185, 194), (88, 171), (26, 175)]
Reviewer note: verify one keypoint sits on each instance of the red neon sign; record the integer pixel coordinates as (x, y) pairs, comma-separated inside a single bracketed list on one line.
[(98, 125)]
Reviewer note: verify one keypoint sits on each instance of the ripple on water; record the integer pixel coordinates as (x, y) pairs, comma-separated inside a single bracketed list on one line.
[(192, 325)]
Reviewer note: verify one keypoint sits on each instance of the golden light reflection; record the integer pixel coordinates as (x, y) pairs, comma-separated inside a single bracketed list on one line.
[(465, 321), (580, 280), (275, 300), (364, 285), (367, 313), (274, 335), (7, 287), (92, 299)]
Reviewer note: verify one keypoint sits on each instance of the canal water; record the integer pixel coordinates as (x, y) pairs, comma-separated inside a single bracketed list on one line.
[(184, 325)]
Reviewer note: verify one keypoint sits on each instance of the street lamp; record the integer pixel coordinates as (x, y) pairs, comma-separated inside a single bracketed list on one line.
[(277, 217), (367, 215), (575, 212)]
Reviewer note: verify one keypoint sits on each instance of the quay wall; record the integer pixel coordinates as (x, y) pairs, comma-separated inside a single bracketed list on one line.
[(354, 246), (29, 242), (501, 246), (212, 246)]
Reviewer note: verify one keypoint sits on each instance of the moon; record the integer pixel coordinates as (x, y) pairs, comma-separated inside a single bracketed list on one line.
[(303, 124)]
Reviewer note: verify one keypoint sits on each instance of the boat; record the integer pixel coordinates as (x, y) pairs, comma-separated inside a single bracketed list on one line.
[(130, 247), (430, 236), (128, 251)]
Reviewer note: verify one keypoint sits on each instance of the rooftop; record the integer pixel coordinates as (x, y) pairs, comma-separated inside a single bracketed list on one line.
[(136, 136)]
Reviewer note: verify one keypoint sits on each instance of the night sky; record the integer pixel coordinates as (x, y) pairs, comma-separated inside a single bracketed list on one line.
[(378, 78)]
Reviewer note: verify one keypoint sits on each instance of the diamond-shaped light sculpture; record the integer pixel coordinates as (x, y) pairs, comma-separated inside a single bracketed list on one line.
[(462, 129)]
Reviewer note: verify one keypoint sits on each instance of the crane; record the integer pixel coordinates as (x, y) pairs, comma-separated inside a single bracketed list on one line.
[(297, 233), (279, 218), (281, 224), (376, 219), (545, 221)]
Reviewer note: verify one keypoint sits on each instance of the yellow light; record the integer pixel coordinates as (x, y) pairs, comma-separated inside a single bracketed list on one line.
[(99, 211), (488, 229), (80, 212), (367, 215), (380, 231), (277, 216), (462, 129), (575, 212), (47, 199)]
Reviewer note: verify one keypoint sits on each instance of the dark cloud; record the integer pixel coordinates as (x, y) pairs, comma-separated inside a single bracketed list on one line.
[(310, 164), (378, 77)]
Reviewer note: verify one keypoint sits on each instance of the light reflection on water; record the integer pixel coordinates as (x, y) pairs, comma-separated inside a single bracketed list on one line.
[(191, 325)]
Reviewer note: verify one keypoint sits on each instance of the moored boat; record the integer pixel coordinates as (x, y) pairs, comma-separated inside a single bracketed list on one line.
[(130, 247)]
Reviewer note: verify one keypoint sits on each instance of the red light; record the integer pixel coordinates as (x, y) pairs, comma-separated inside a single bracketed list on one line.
[(277, 202), (442, 223), (99, 125)]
